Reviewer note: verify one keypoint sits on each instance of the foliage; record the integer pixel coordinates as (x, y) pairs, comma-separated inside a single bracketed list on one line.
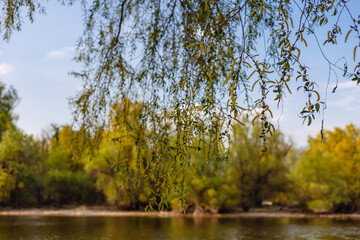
[(7, 184), (257, 176), (65, 181), (8, 100), (63, 187), (205, 182), (120, 162), (18, 147), (326, 175), (19, 158), (323, 177)]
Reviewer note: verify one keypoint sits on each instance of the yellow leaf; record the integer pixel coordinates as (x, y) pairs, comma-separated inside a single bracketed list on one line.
[(254, 119), (201, 46), (191, 90), (248, 64), (292, 23), (347, 35), (228, 77), (182, 84), (298, 56), (304, 41), (191, 45), (273, 32), (288, 88), (231, 40), (355, 52), (241, 108), (251, 75), (268, 109), (318, 95), (332, 4), (257, 64), (253, 86), (239, 121), (232, 66), (287, 26)]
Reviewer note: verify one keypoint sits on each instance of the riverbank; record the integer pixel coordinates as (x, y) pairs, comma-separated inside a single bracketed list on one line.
[(108, 212)]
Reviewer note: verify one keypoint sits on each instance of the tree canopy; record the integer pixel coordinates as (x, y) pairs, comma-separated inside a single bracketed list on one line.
[(196, 66)]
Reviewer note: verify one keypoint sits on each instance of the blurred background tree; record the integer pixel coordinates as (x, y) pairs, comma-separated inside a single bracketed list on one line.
[(325, 176), (257, 176)]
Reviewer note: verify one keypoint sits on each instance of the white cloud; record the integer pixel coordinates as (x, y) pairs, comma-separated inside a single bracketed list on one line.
[(344, 85), (61, 53), (346, 104), (5, 69)]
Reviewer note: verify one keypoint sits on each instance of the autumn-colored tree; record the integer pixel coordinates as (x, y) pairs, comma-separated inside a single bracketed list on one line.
[(257, 176), (21, 167), (8, 100), (65, 181), (326, 175), (120, 163)]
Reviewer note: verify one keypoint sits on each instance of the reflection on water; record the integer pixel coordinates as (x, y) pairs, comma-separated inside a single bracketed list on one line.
[(133, 228)]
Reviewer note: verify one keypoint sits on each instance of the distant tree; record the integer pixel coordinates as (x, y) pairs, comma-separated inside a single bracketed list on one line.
[(8, 100), (7, 184), (121, 163), (21, 167), (326, 175), (65, 180), (205, 181), (257, 176)]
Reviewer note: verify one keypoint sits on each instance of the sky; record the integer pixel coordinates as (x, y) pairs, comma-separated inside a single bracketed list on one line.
[(38, 59), (36, 62)]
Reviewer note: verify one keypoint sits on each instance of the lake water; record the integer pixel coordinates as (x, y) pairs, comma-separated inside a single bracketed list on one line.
[(175, 228)]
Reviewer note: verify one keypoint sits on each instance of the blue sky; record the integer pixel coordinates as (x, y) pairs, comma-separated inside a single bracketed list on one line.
[(37, 61)]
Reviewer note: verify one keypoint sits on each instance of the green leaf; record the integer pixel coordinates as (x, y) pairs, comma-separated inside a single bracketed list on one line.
[(317, 107)]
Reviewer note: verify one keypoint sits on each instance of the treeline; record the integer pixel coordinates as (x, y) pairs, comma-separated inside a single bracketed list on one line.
[(50, 171)]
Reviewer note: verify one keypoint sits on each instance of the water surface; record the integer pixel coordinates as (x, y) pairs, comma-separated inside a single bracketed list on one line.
[(174, 228)]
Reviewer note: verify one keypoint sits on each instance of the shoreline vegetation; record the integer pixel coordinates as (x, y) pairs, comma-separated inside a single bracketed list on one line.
[(104, 211), (47, 176), (59, 171)]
